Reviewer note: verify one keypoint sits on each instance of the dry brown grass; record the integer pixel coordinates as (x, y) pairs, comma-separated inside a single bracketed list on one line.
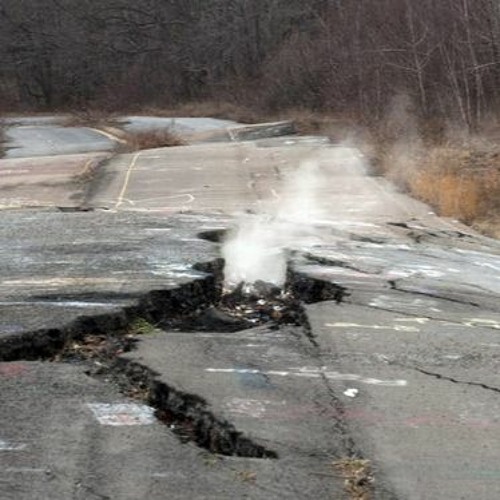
[(463, 183), (459, 177), (149, 139), (130, 141), (358, 477)]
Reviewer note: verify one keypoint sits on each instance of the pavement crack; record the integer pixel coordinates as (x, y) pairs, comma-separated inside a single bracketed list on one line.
[(316, 259), (313, 290), (93, 179), (395, 286), (340, 424), (98, 342), (408, 314), (440, 376), (188, 416)]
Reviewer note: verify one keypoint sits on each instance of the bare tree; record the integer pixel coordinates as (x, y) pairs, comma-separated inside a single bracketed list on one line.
[(323, 54)]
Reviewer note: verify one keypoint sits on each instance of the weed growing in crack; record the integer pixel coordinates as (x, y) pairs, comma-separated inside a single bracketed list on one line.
[(211, 460), (247, 476), (141, 326), (357, 475)]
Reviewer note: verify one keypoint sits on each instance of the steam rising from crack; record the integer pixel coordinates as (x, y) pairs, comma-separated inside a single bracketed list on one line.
[(256, 249)]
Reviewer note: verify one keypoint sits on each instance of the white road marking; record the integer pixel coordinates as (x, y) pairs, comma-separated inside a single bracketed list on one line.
[(351, 393), (275, 194), (63, 281), (486, 323), (18, 171), (169, 474), (487, 265), (420, 321), (8, 446), (28, 470), (231, 134), (108, 135), (397, 328), (122, 414), (189, 196), (56, 303), (311, 372)]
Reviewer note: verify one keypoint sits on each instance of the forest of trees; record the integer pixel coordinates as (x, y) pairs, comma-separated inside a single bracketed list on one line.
[(347, 56)]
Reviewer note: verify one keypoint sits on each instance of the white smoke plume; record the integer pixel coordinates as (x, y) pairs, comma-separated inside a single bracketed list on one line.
[(256, 249)]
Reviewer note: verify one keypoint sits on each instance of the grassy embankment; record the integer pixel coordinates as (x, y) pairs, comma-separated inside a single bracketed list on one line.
[(457, 174)]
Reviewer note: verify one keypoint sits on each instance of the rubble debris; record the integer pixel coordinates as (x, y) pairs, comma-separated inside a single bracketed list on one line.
[(95, 347), (358, 477), (243, 307), (260, 303)]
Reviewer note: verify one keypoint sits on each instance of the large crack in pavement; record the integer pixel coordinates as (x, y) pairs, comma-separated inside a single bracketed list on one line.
[(98, 341), (187, 415), (90, 287), (245, 356)]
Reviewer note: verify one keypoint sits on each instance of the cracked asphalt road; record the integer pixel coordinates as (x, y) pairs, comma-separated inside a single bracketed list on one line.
[(402, 372)]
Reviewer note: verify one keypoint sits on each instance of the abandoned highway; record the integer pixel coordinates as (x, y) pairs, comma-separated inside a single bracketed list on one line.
[(127, 371)]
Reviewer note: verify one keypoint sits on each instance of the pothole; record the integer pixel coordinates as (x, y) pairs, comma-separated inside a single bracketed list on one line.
[(97, 343)]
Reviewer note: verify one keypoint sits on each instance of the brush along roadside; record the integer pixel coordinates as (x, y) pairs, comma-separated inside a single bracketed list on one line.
[(149, 139), (459, 179), (127, 141), (463, 183)]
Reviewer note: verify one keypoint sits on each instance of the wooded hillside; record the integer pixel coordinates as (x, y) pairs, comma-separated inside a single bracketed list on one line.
[(347, 56)]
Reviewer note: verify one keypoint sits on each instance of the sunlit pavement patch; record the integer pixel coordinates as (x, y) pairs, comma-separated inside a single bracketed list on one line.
[(122, 414), (8, 446)]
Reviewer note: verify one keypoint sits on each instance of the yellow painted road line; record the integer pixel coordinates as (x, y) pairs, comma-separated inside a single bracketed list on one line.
[(121, 197), (108, 135), (231, 134), (87, 166)]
